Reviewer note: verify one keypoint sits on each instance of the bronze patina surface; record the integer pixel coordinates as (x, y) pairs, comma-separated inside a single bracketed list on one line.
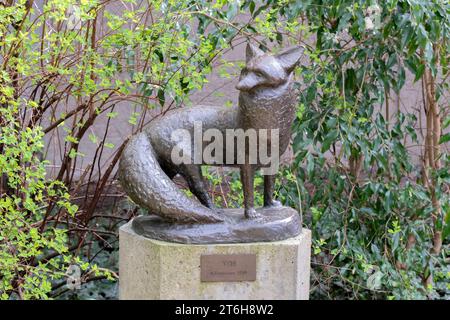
[(272, 224), (266, 101)]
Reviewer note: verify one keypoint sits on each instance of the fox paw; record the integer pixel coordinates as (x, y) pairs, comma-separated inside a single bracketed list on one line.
[(251, 213), (273, 203)]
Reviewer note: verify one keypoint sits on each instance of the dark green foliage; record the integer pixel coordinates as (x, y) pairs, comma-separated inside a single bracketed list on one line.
[(354, 179)]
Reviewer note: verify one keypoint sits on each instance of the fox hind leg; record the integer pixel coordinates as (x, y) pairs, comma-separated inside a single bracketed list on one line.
[(193, 176), (269, 181)]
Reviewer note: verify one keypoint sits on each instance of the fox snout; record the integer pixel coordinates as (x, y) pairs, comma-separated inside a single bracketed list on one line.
[(247, 82)]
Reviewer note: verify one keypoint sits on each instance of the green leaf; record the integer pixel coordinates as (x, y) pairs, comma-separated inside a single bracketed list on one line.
[(444, 138), (252, 7), (446, 227), (419, 72), (310, 164), (109, 145), (112, 114), (374, 280), (428, 51), (93, 138), (329, 139), (161, 97)]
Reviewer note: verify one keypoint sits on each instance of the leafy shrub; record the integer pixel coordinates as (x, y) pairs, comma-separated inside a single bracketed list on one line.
[(380, 219), (26, 238)]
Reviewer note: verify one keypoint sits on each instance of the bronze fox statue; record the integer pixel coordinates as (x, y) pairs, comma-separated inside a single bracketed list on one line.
[(266, 101)]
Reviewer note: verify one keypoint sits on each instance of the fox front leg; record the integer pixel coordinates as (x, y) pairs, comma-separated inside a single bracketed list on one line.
[(269, 181), (247, 173)]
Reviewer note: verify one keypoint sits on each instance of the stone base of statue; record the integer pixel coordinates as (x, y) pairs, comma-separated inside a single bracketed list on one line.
[(157, 269)]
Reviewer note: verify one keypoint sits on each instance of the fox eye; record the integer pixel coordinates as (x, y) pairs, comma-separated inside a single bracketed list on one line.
[(259, 74)]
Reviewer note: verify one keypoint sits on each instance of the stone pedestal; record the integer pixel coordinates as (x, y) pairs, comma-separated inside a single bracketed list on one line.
[(152, 269)]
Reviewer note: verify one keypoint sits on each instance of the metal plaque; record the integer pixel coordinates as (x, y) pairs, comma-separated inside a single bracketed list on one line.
[(227, 267)]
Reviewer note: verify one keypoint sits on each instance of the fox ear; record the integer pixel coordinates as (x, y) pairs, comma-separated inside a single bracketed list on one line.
[(289, 58), (252, 52)]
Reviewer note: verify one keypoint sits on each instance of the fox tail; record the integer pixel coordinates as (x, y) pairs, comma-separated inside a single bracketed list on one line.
[(148, 186)]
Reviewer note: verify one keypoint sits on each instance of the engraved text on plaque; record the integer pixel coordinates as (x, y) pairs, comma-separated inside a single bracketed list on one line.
[(228, 267)]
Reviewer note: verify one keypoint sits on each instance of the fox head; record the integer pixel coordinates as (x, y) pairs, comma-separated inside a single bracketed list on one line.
[(264, 70)]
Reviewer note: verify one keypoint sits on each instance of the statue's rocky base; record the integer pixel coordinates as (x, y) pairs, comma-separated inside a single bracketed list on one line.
[(272, 224), (154, 269)]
